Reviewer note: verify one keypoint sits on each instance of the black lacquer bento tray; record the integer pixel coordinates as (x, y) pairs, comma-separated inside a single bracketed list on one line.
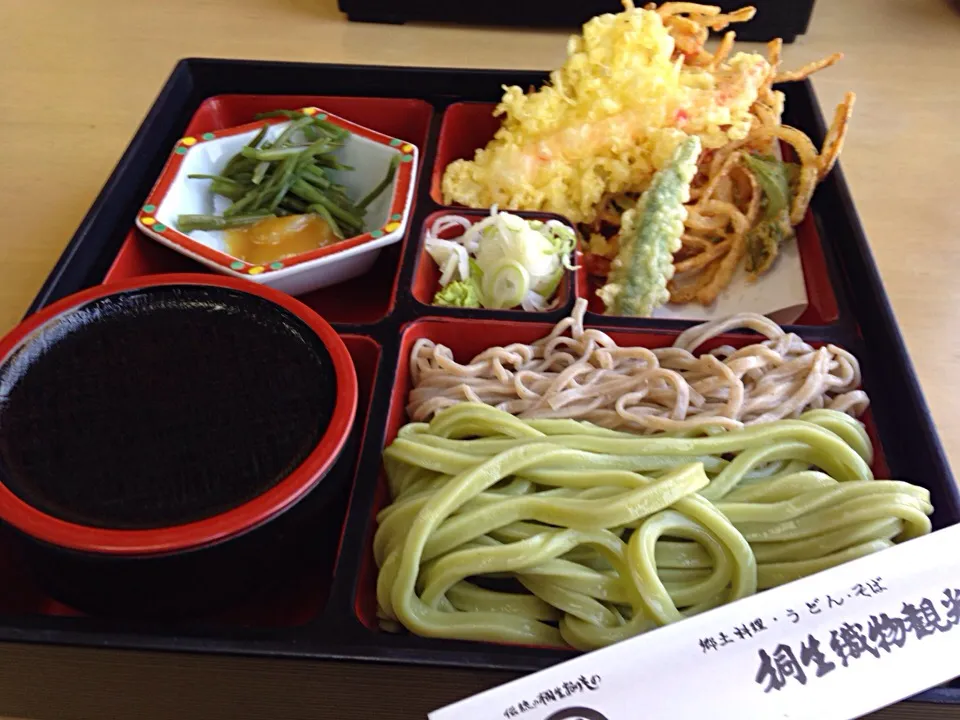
[(328, 610)]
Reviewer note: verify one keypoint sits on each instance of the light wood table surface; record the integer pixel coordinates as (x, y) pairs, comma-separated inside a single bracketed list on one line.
[(77, 77)]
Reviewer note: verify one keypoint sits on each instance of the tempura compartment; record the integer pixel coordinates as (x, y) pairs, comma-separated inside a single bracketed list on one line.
[(364, 299), (467, 339), (468, 126), (426, 273)]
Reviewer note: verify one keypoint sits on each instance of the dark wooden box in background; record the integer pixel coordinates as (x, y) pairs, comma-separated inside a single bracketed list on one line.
[(775, 18)]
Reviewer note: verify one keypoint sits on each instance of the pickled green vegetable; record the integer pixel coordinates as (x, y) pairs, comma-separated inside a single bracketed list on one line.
[(288, 175)]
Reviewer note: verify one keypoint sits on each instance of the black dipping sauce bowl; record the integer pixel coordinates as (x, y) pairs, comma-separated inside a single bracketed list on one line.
[(167, 442)]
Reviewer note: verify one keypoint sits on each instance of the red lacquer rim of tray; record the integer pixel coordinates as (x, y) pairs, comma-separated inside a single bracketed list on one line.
[(196, 534), (399, 206)]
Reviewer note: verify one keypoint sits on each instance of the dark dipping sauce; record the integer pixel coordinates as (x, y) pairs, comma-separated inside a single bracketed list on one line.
[(161, 406)]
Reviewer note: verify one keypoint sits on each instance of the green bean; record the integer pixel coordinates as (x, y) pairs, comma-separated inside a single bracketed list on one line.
[(295, 114), (270, 155), (236, 159), (384, 184), (188, 223), (315, 175), (284, 138), (258, 138), (310, 153), (222, 186), (329, 128), (328, 218), (233, 192), (201, 176), (343, 214), (332, 131), (278, 195), (335, 130), (291, 114), (341, 199), (260, 172), (242, 170), (242, 178), (306, 191), (309, 193), (243, 203), (293, 204), (286, 176), (260, 194), (332, 163)]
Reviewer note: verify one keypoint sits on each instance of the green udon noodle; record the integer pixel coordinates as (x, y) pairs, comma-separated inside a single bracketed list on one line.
[(562, 533)]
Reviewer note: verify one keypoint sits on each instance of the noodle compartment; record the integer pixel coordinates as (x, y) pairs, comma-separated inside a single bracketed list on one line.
[(528, 503)]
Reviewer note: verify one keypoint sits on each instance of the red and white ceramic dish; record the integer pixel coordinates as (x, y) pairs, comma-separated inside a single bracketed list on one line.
[(367, 151)]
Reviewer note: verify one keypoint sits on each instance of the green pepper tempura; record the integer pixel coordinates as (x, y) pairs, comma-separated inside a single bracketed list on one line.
[(650, 235)]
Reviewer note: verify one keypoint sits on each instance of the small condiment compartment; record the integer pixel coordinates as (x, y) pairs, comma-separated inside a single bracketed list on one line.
[(469, 126), (426, 272)]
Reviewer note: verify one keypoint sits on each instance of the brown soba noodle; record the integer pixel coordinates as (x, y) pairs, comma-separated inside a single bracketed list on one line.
[(581, 373)]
